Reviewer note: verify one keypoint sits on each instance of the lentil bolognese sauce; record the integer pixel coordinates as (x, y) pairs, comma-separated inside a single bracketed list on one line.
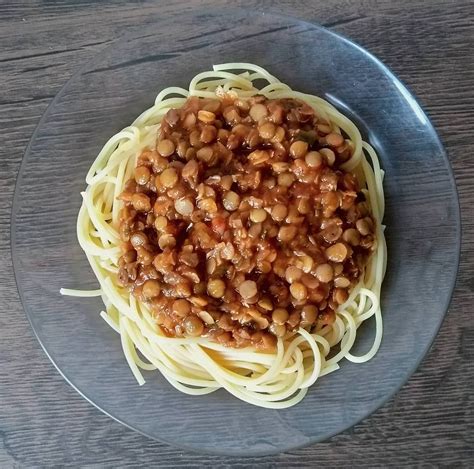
[(239, 225), (236, 235)]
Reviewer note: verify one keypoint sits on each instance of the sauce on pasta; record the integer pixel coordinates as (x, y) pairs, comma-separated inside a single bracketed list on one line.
[(240, 224)]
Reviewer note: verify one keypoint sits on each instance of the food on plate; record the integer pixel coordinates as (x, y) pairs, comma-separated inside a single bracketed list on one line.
[(235, 229)]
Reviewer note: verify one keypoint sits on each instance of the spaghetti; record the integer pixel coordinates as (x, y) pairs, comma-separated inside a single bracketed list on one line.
[(278, 378)]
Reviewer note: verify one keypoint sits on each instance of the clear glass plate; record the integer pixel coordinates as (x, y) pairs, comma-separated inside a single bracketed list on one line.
[(422, 218)]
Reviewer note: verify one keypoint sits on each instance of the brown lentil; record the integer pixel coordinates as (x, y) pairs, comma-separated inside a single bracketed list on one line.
[(292, 274), (362, 226), (258, 111), (208, 134), (181, 307), (334, 140), (151, 288), (138, 239), (206, 116), (287, 233), (280, 316), (142, 175), (351, 236), (248, 289), (340, 295), (216, 288), (298, 149), (309, 314), (329, 156), (169, 177), (324, 273), (258, 215), (337, 252), (279, 212), (313, 159), (193, 326), (267, 130), (277, 329), (184, 207), (298, 290), (161, 223), (165, 147), (141, 202), (231, 201), (342, 282), (286, 179)]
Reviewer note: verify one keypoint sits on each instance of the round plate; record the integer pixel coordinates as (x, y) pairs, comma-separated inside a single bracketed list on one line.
[(422, 218)]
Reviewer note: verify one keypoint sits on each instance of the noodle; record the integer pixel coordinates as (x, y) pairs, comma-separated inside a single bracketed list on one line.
[(195, 365)]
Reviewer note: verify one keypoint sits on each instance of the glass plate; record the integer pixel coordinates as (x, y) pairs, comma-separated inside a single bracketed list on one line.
[(422, 218)]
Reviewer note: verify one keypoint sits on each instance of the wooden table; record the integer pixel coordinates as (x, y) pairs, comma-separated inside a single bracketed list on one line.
[(44, 422)]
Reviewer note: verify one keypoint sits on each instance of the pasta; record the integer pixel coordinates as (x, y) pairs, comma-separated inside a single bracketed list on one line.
[(198, 365)]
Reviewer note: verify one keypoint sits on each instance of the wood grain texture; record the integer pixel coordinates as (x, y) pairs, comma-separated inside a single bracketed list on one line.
[(45, 423)]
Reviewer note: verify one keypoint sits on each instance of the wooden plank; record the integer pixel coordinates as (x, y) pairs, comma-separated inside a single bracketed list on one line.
[(44, 422)]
